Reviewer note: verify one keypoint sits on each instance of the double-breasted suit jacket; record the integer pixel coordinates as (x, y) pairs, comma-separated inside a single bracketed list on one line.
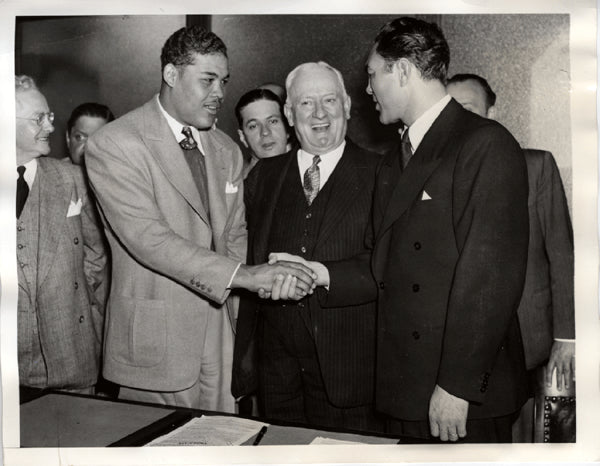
[(547, 311), (171, 264), (449, 258), (344, 336), (63, 280)]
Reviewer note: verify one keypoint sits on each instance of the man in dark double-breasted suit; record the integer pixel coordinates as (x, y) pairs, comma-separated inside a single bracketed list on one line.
[(450, 249), (315, 365)]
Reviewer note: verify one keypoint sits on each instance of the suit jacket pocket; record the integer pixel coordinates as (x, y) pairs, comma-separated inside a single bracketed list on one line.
[(137, 331)]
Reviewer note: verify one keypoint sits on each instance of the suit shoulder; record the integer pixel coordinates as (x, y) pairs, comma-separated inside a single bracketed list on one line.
[(71, 174), (222, 139), (363, 157)]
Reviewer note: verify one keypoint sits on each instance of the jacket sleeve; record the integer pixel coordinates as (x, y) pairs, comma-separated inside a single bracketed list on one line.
[(491, 224), (123, 185), (558, 239)]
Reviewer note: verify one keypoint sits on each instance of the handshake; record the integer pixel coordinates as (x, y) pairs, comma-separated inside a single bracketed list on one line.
[(284, 276)]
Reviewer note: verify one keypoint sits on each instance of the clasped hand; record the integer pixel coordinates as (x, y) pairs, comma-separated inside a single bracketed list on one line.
[(287, 286)]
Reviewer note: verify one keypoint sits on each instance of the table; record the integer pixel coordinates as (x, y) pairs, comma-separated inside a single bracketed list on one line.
[(61, 419)]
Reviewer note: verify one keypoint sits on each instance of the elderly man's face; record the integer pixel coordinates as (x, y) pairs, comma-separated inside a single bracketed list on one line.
[(199, 90), (318, 110), (32, 138), (263, 130), (470, 95)]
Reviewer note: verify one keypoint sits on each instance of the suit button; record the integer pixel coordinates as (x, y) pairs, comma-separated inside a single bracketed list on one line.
[(22, 264), (209, 289), (381, 285), (305, 232), (202, 286), (415, 287), (20, 246), (300, 304), (76, 240), (197, 284), (417, 245), (308, 215), (303, 249), (483, 389), (81, 319), (416, 335), (76, 285), (19, 228)]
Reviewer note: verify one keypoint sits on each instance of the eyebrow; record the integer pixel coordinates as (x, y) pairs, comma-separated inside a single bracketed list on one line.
[(213, 74)]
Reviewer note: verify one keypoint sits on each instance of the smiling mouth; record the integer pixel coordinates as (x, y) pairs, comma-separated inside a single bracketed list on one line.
[(268, 145), (322, 127), (212, 108)]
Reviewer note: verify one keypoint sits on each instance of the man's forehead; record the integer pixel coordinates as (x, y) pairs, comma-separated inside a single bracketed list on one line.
[(315, 80), (31, 99)]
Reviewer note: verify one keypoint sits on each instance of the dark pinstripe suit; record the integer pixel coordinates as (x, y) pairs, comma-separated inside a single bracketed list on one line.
[(343, 338)]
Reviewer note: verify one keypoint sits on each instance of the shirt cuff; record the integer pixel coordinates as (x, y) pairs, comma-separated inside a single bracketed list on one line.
[(566, 340), (233, 275)]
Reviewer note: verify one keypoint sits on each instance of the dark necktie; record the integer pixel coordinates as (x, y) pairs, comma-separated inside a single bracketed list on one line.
[(195, 161), (22, 190), (405, 149), (312, 180)]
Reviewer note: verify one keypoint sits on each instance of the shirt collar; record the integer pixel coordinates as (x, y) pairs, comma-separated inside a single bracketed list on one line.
[(419, 128), (176, 127), (326, 165), (30, 171)]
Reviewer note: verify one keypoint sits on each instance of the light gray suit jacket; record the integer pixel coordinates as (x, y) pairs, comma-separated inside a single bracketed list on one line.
[(166, 308)]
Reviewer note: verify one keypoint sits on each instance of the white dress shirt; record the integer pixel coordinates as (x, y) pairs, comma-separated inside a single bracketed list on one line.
[(326, 165)]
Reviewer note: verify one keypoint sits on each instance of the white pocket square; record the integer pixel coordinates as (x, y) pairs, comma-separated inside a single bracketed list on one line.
[(425, 197), (230, 189), (74, 208)]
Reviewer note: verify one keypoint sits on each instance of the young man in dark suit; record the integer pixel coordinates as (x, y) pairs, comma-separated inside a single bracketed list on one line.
[(315, 365)]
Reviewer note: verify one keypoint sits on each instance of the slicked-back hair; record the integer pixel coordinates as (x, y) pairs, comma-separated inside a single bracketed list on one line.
[(24, 83), (490, 96), (91, 109), (180, 48), (254, 96), (420, 42), (292, 75)]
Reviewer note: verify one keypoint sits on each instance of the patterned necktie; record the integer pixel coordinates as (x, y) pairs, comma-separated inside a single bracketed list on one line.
[(405, 149), (189, 143), (195, 161), (22, 190), (312, 180)]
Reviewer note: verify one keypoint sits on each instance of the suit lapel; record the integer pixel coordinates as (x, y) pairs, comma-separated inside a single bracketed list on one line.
[(54, 205), (267, 200), (344, 192), (433, 148), (167, 153), (217, 177)]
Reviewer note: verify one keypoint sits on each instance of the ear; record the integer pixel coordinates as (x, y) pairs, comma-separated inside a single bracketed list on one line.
[(287, 109), (347, 106), (68, 140), (404, 68), (491, 112), (242, 138), (170, 74)]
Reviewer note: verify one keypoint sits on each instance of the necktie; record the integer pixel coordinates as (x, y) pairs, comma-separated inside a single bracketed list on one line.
[(405, 149), (195, 161), (312, 180), (22, 190)]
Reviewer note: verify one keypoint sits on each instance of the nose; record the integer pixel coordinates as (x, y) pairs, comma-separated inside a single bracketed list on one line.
[(318, 111), (218, 89), (48, 126), (265, 131)]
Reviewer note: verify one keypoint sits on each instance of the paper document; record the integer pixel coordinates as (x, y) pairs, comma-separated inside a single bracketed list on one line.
[(332, 441), (210, 430)]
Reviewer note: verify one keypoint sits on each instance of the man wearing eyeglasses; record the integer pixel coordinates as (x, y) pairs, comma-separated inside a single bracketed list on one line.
[(61, 259)]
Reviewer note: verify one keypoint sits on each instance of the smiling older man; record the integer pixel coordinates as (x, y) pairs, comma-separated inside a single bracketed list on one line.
[(315, 366), (61, 259)]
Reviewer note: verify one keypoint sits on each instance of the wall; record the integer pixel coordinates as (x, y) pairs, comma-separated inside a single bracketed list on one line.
[(525, 58), (114, 60)]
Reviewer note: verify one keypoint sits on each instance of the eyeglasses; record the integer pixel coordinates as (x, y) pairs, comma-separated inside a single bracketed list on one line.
[(39, 120)]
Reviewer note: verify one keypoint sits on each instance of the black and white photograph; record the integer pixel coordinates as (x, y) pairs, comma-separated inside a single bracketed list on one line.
[(291, 235)]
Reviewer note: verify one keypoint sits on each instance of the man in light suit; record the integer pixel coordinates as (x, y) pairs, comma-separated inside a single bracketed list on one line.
[(450, 246), (315, 365), (169, 188), (62, 269), (546, 312)]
